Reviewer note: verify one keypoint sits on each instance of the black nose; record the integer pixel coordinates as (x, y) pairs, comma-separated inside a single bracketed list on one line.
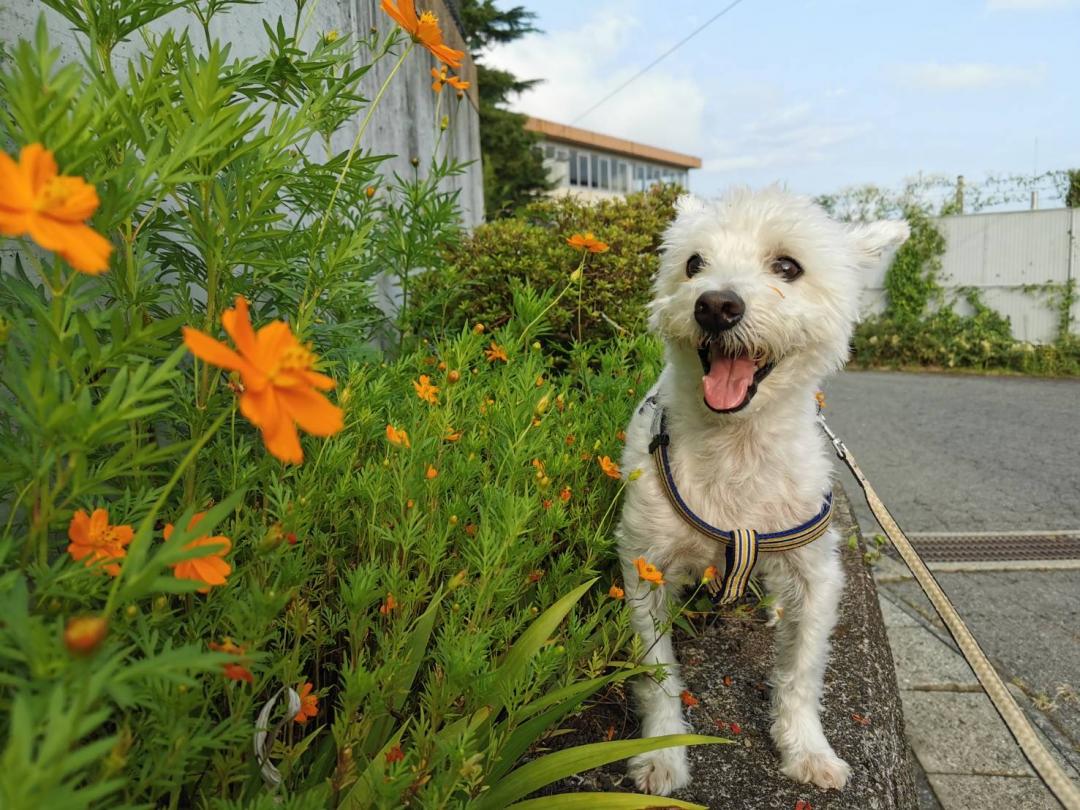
[(716, 312)]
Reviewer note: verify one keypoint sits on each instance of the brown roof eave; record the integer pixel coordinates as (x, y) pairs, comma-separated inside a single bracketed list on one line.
[(565, 133)]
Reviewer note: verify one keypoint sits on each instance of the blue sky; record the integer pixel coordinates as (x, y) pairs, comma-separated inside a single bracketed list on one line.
[(818, 94)]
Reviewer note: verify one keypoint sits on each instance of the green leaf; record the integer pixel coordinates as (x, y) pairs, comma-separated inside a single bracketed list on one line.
[(546, 712), (560, 764), (417, 646), (530, 642)]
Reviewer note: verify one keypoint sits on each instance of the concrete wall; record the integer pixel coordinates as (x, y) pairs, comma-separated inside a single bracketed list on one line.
[(999, 254), (405, 124)]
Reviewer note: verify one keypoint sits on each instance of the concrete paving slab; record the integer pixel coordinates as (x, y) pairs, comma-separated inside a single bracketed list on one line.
[(894, 616), (923, 662), (960, 733), (958, 792)]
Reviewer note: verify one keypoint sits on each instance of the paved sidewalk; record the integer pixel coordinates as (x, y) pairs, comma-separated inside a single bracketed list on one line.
[(969, 758)]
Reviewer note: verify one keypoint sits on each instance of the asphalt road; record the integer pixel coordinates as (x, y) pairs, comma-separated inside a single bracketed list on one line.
[(962, 453), (981, 454)]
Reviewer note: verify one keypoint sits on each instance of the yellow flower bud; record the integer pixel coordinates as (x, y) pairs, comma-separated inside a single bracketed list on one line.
[(634, 474)]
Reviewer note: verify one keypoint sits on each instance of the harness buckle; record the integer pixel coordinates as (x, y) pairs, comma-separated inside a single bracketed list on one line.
[(658, 441)]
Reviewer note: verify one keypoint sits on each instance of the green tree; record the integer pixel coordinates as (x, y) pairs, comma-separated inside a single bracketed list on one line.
[(514, 171), (1072, 196)]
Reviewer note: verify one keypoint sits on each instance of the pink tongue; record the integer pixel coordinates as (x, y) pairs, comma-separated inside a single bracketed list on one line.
[(727, 382)]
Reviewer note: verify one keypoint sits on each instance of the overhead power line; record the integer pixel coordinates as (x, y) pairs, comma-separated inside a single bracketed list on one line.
[(660, 58)]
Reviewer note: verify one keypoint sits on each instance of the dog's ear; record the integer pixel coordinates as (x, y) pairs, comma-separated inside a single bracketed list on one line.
[(873, 240), (688, 204)]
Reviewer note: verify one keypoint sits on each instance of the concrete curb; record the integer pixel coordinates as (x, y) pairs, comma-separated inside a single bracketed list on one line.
[(726, 667)]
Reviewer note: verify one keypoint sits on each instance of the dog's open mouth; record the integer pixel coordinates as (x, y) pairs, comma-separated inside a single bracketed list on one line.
[(731, 376)]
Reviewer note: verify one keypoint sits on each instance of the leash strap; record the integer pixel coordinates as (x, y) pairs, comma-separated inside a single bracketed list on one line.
[(1017, 722), (742, 546)]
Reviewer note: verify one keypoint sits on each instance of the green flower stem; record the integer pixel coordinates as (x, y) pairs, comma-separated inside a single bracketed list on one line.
[(308, 303), (360, 133), (556, 299), (143, 533)]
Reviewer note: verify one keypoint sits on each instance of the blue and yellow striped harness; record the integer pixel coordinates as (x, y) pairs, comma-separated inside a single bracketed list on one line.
[(742, 545)]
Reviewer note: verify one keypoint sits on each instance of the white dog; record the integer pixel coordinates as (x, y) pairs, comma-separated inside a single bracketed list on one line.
[(760, 291)]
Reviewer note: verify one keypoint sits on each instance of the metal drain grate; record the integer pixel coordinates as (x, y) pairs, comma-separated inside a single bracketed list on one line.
[(1012, 546)]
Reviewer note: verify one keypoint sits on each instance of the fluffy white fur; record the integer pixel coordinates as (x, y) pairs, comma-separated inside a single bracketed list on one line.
[(765, 467)]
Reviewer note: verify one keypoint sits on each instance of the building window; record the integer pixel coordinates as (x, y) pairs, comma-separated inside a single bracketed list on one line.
[(621, 177), (605, 180)]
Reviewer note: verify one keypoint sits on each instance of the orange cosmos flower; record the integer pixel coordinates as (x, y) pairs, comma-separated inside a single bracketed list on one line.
[(586, 241), (51, 208), (233, 670), (426, 391), (610, 468), (281, 389), (458, 84), (496, 352), (452, 435), (84, 634), (395, 754), (688, 699), (710, 574), (648, 572), (210, 569), (388, 605), (309, 704), (564, 496), (431, 473), (615, 592), (423, 29), (238, 672), (93, 539), (398, 438), (439, 75)]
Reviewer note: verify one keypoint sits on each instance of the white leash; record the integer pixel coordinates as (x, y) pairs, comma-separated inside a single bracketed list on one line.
[(1017, 722)]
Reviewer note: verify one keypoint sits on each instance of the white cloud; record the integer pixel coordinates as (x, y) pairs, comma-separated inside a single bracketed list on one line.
[(746, 129), (786, 139), (968, 75), (579, 66)]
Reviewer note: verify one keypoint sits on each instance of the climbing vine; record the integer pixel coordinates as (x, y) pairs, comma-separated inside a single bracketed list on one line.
[(912, 280), (1060, 297)]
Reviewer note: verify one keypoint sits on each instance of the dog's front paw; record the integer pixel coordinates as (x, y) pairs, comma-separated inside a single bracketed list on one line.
[(660, 772), (824, 769)]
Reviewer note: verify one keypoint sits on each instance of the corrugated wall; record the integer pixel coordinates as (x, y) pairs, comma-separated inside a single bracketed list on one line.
[(406, 123), (1000, 255)]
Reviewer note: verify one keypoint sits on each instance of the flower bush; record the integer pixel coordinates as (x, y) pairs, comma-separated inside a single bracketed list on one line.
[(243, 560), (536, 246)]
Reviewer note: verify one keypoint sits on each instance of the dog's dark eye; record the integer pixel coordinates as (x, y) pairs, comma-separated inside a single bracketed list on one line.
[(787, 267), (694, 265)]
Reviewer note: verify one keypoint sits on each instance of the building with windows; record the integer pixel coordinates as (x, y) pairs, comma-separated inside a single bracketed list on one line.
[(595, 166)]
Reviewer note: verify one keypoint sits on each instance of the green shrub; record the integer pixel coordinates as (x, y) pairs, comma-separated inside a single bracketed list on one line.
[(531, 248), (946, 339)]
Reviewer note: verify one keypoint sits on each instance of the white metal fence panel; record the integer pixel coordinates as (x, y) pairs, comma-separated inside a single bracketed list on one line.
[(1003, 255)]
